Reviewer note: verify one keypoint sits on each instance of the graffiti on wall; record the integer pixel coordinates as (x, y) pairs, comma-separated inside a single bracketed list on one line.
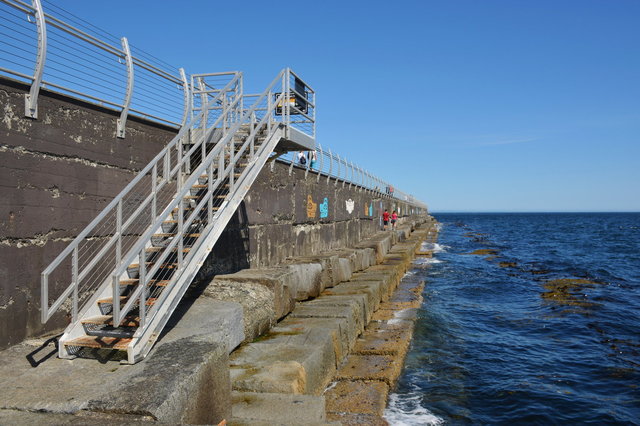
[(350, 205), (311, 207), (324, 208)]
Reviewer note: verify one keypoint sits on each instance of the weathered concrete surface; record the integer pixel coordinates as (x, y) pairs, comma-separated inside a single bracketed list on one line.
[(252, 408), (65, 166), (282, 360), (180, 381), (284, 365), (258, 304), (359, 397)]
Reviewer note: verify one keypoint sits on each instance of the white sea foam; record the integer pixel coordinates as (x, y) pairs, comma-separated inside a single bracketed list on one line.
[(405, 410), (435, 247), (426, 261)]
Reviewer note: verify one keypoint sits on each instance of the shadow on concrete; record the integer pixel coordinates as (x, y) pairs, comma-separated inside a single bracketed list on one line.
[(40, 355)]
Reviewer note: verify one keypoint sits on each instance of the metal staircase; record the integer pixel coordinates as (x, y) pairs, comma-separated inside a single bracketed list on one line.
[(123, 276)]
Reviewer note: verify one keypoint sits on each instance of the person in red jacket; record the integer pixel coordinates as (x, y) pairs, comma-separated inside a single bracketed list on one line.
[(385, 219), (394, 219)]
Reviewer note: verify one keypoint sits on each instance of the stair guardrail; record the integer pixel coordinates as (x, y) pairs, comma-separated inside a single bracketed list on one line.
[(218, 167), (102, 245)]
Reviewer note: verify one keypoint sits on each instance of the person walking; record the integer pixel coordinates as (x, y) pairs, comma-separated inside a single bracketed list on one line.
[(385, 219), (394, 219)]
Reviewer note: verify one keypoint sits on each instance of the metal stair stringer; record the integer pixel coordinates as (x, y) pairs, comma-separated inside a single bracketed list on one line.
[(141, 345)]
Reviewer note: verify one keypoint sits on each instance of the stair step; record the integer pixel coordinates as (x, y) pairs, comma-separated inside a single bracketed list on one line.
[(172, 234), (134, 281), (189, 209), (100, 342), (132, 321), (109, 301), (149, 264), (159, 249)]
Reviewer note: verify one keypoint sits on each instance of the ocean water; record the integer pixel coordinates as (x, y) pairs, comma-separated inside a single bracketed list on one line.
[(540, 326)]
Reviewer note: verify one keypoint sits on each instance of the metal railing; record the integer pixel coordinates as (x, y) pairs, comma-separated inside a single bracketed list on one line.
[(328, 164), (72, 57), (107, 241)]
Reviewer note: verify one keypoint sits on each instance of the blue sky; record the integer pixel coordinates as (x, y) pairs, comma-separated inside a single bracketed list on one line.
[(468, 105)]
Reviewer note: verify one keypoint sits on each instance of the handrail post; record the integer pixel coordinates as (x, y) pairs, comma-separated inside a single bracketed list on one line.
[(330, 165), (186, 112), (31, 99), (321, 156), (154, 190), (115, 283), (74, 280), (44, 297), (119, 232), (142, 280), (338, 172), (122, 121)]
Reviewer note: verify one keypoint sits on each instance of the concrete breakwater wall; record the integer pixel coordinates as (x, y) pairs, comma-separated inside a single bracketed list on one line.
[(347, 326), (59, 172)]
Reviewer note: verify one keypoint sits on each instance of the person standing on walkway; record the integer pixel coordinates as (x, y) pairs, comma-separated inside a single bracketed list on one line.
[(313, 158), (394, 219), (385, 219)]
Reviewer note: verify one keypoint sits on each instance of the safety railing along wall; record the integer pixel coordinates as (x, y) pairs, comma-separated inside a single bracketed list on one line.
[(45, 46), (327, 164), (48, 47)]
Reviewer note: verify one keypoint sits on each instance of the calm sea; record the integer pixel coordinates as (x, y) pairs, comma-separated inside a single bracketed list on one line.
[(527, 319)]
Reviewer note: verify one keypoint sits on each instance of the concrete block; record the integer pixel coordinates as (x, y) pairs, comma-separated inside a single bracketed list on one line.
[(371, 367), (257, 303), (340, 330), (352, 317), (355, 302), (283, 368), (383, 339), (357, 397), (348, 419), (307, 278), (329, 263), (218, 321), (184, 383), (383, 276), (371, 288), (277, 408), (280, 281), (344, 270)]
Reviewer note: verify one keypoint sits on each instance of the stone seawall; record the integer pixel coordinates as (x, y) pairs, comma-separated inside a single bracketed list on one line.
[(327, 330), (61, 170), (58, 172)]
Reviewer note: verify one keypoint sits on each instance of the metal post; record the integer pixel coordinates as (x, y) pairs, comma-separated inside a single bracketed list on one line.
[(330, 165), (115, 287), (187, 98), (154, 190), (44, 296), (74, 279), (321, 156), (119, 231), (142, 278), (338, 172), (122, 121), (31, 99)]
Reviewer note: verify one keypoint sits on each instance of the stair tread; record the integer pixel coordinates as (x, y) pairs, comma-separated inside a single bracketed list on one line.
[(100, 342), (157, 249), (173, 234), (150, 301), (132, 321), (132, 281)]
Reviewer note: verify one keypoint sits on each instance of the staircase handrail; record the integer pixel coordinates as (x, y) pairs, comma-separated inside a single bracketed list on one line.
[(72, 248), (137, 296)]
